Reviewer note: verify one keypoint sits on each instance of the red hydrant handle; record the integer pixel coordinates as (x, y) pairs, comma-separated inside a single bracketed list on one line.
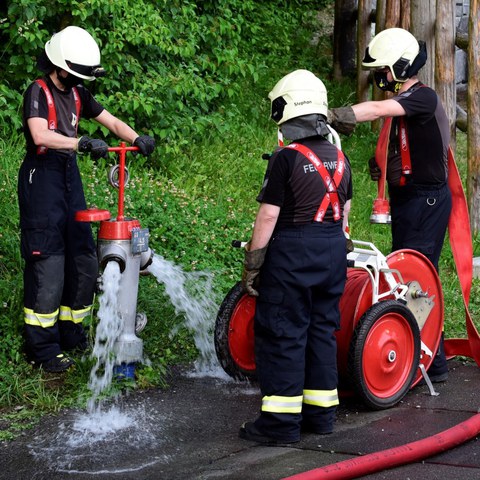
[(121, 150), (124, 148)]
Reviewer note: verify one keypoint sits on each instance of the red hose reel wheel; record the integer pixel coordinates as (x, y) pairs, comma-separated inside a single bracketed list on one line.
[(384, 354), (234, 337), (416, 267)]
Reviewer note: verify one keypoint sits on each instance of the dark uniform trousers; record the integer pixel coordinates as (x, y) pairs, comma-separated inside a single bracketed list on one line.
[(296, 317), (420, 218), (60, 256)]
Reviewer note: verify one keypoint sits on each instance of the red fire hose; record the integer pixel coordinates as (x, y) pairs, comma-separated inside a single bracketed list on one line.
[(393, 457), (461, 243)]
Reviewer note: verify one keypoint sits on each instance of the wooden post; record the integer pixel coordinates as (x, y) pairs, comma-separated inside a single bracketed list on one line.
[(445, 62), (422, 17), (392, 13), (405, 15), (473, 108), (363, 37), (344, 38), (380, 16)]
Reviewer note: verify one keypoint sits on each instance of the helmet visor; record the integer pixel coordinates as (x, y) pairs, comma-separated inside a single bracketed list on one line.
[(86, 70), (278, 107)]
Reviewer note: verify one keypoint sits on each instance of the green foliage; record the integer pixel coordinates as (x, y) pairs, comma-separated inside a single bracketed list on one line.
[(172, 65)]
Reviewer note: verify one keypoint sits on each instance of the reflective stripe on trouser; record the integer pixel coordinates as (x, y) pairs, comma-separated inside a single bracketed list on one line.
[(321, 398), (75, 316), (279, 404), (297, 313), (43, 320)]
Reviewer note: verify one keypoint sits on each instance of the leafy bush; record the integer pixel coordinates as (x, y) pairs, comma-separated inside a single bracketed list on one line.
[(173, 65)]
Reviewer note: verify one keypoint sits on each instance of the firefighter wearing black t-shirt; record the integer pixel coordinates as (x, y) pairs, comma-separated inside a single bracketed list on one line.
[(60, 258), (296, 264), (413, 144)]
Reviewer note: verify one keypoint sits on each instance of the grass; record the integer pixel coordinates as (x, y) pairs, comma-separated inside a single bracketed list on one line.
[(193, 204)]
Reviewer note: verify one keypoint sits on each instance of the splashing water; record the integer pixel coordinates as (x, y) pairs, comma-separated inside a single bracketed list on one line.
[(108, 330), (191, 293), (100, 423)]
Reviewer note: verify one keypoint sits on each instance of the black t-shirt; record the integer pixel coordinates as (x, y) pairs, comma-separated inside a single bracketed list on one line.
[(292, 182), (35, 105), (428, 134)]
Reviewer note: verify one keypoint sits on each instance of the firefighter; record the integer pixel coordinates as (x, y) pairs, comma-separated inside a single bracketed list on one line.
[(60, 269), (295, 263), (413, 144)]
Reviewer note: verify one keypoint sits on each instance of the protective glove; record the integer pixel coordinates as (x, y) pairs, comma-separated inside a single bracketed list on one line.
[(375, 172), (95, 147), (251, 268), (350, 246), (349, 242), (342, 119), (145, 144)]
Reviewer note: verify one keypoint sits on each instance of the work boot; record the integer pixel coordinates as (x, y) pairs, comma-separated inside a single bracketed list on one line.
[(248, 431), (57, 364)]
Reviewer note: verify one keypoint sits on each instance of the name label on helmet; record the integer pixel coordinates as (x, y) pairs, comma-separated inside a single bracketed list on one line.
[(304, 102)]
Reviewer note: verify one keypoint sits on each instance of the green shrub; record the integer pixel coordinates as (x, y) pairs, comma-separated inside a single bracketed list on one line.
[(173, 66)]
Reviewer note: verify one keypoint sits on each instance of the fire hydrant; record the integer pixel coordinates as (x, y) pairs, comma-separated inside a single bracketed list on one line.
[(122, 240)]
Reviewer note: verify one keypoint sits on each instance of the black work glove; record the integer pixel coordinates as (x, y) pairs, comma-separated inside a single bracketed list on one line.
[(342, 119), (251, 268), (350, 246), (95, 147), (145, 144), (375, 172)]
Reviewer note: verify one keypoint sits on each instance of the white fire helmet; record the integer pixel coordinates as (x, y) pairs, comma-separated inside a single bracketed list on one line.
[(395, 48), (74, 50), (296, 94)]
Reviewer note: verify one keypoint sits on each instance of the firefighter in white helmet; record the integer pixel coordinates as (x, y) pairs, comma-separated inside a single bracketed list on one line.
[(295, 264), (60, 255), (413, 145)]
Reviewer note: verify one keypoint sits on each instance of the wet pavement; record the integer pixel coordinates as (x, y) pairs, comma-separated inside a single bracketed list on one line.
[(190, 431)]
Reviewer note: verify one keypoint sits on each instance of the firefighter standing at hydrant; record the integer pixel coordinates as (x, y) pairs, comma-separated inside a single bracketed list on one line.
[(296, 263), (60, 255), (413, 144)]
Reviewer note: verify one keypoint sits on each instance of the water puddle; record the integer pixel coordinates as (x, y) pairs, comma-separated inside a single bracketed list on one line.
[(103, 432), (110, 440)]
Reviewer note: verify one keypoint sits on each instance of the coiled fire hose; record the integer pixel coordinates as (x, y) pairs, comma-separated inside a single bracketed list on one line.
[(461, 245)]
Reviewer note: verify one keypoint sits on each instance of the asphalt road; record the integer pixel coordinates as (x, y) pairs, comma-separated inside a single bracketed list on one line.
[(190, 431)]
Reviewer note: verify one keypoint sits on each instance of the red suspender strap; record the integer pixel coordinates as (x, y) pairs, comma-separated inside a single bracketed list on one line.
[(52, 114), (381, 154), (331, 197), (404, 151), (78, 105), (461, 244)]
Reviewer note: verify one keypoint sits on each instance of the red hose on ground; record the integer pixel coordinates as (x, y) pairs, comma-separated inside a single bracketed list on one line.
[(393, 457)]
